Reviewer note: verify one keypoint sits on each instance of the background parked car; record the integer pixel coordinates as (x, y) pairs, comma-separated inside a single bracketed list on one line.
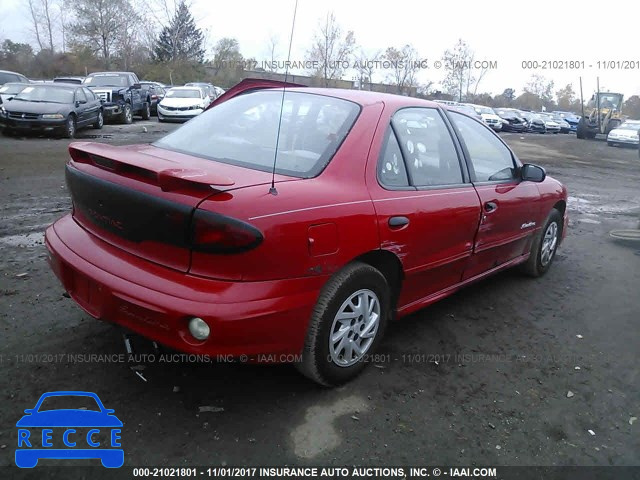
[(625, 134), (62, 108), (121, 94), (565, 127), (468, 109), (182, 103), (571, 118), (10, 90), (207, 87), (68, 80), (550, 123), (489, 117), (156, 92), (7, 76), (512, 120), (534, 124)]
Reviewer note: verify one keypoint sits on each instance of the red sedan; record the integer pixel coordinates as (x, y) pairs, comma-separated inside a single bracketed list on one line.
[(298, 222)]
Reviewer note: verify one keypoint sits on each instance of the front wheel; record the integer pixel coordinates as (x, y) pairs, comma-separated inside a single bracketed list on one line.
[(544, 246), (127, 114), (99, 121), (347, 325), (146, 111), (70, 127)]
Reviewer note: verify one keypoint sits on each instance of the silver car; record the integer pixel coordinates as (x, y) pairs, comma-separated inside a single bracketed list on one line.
[(625, 134)]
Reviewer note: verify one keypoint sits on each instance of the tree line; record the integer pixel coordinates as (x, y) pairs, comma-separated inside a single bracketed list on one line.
[(161, 40)]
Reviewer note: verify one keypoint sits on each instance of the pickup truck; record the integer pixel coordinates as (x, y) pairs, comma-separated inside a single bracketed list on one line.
[(121, 95)]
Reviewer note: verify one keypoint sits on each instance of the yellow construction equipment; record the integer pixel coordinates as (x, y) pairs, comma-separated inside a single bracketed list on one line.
[(603, 113)]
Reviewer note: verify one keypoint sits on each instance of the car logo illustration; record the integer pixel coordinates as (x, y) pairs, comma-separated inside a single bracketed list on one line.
[(63, 426)]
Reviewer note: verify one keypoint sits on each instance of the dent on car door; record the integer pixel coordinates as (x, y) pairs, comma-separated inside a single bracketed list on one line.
[(510, 207), (427, 211)]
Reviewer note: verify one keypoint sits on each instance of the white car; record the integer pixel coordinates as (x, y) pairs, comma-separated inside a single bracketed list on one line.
[(625, 134), (551, 125), (489, 117), (182, 103)]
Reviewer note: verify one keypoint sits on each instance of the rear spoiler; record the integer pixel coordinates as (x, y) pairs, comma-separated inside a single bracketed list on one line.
[(249, 84), (167, 175)]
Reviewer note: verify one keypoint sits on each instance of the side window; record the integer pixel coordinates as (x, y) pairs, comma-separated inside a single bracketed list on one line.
[(391, 168), (429, 150), (490, 158), (80, 96)]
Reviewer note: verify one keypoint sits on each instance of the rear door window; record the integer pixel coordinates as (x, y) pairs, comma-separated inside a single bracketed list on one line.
[(430, 154)]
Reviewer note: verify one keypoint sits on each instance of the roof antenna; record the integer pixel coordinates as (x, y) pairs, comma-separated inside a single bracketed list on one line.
[(273, 190)]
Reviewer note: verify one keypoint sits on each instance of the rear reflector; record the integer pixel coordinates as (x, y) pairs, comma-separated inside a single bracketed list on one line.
[(215, 233)]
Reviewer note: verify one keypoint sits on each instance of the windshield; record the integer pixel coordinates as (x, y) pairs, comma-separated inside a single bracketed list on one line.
[(12, 88), (46, 94), (242, 131), (631, 125), (191, 93), (609, 101), (106, 80)]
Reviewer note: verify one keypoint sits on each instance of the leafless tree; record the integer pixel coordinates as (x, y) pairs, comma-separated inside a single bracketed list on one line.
[(35, 17), (272, 48), (366, 64), (404, 65), (331, 50), (99, 23)]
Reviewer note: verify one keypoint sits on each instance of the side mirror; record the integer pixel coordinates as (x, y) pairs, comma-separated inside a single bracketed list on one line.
[(136, 86), (532, 173)]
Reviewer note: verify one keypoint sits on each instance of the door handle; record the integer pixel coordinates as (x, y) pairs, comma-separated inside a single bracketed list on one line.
[(397, 222), (490, 206)]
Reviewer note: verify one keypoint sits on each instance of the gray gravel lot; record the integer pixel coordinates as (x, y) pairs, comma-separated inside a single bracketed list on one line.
[(481, 378)]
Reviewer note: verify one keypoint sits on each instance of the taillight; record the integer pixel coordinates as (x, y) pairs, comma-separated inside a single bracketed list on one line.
[(215, 233)]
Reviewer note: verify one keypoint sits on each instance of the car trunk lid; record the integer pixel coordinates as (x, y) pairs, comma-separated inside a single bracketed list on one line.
[(142, 198)]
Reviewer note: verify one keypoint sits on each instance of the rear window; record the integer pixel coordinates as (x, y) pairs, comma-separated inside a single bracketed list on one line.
[(242, 131)]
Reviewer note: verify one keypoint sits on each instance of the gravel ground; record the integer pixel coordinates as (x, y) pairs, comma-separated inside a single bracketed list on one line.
[(481, 378)]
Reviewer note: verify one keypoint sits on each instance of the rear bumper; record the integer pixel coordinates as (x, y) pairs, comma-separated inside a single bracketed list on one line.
[(245, 318)]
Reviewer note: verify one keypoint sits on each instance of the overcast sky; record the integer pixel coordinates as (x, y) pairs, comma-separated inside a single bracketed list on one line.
[(498, 31)]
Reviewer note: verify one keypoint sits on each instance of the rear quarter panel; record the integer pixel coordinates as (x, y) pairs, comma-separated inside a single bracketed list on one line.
[(312, 226)]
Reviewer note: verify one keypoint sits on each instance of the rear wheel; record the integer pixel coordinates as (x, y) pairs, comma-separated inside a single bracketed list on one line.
[(347, 325), (544, 246)]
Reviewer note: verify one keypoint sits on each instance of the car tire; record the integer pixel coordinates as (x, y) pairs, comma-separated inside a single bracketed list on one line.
[(70, 127), (610, 144), (544, 246), (126, 116), (146, 111), (99, 121), (356, 285)]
